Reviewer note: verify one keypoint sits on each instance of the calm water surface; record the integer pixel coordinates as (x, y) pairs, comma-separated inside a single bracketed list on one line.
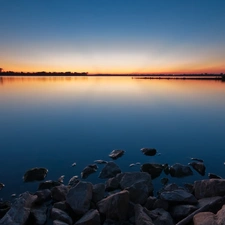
[(53, 122)]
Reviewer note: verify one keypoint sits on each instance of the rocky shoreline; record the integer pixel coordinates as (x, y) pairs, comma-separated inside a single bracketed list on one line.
[(123, 198)]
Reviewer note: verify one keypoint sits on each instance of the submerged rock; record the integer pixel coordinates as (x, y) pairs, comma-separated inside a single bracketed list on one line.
[(1, 186), (100, 161), (35, 174), (199, 167), (214, 176), (196, 159), (88, 170), (153, 169), (116, 153), (148, 151), (179, 170), (109, 170)]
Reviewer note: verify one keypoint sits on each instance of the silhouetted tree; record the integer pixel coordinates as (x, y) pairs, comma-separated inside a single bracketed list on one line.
[(1, 69)]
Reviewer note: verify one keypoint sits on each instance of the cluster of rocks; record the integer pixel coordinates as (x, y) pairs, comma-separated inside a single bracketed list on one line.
[(123, 198)]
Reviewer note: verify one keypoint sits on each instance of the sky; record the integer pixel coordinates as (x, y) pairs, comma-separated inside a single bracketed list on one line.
[(113, 36)]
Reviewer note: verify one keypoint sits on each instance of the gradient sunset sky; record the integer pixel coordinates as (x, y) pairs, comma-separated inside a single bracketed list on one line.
[(113, 36)]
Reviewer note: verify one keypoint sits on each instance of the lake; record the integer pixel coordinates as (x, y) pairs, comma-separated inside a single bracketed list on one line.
[(53, 122)]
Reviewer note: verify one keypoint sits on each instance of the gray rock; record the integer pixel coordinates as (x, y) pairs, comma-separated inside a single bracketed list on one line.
[(112, 184), (206, 201), (179, 212), (48, 184), (153, 169), (20, 210), (98, 192), (115, 154), (61, 205), (170, 187), (109, 170), (115, 206), (73, 181), (79, 197), (88, 170), (35, 174), (199, 167), (179, 170), (39, 214), (141, 217), (59, 193), (161, 217), (92, 217), (43, 196), (58, 222), (209, 188), (58, 214), (148, 151), (178, 195)]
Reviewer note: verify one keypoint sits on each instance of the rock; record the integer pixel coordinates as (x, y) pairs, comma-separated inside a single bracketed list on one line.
[(178, 195), (179, 170), (189, 187), (88, 170), (64, 207), (179, 212), (49, 184), (150, 202), (59, 193), (73, 181), (109, 170), (161, 217), (139, 185), (153, 169), (20, 210), (58, 214), (79, 197), (164, 180), (148, 151), (100, 161), (39, 213), (170, 187), (58, 222), (209, 188), (73, 164), (43, 196), (214, 176), (61, 179), (208, 218), (196, 159), (166, 168), (113, 222), (141, 217), (206, 201), (112, 184), (1, 186), (98, 192), (115, 154), (4, 208), (92, 217), (160, 203), (115, 206), (199, 167), (35, 174)]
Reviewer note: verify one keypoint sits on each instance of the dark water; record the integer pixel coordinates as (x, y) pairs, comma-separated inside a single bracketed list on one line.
[(53, 122)]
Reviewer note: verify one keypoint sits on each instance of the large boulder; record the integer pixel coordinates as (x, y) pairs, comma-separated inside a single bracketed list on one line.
[(199, 167), (79, 197), (20, 210), (35, 174), (141, 217), (92, 217), (209, 188), (153, 169), (161, 217), (115, 206), (59, 193), (109, 170), (179, 170), (112, 184), (88, 170), (98, 192), (39, 213), (58, 214), (43, 196), (115, 154)]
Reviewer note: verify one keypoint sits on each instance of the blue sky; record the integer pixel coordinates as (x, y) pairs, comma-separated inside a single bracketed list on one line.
[(112, 36)]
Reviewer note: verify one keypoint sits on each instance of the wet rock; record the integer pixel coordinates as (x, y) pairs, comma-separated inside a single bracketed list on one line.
[(112, 184), (178, 195), (88, 170), (153, 169), (179, 170), (209, 188), (39, 213), (43, 196), (79, 197), (115, 206), (138, 184), (100, 161), (59, 193), (4, 208), (199, 167), (148, 151), (141, 217), (1, 186), (115, 154), (20, 210), (98, 192), (179, 212), (35, 174), (73, 181), (48, 184), (214, 176), (92, 217), (57, 214), (161, 217), (109, 170)]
